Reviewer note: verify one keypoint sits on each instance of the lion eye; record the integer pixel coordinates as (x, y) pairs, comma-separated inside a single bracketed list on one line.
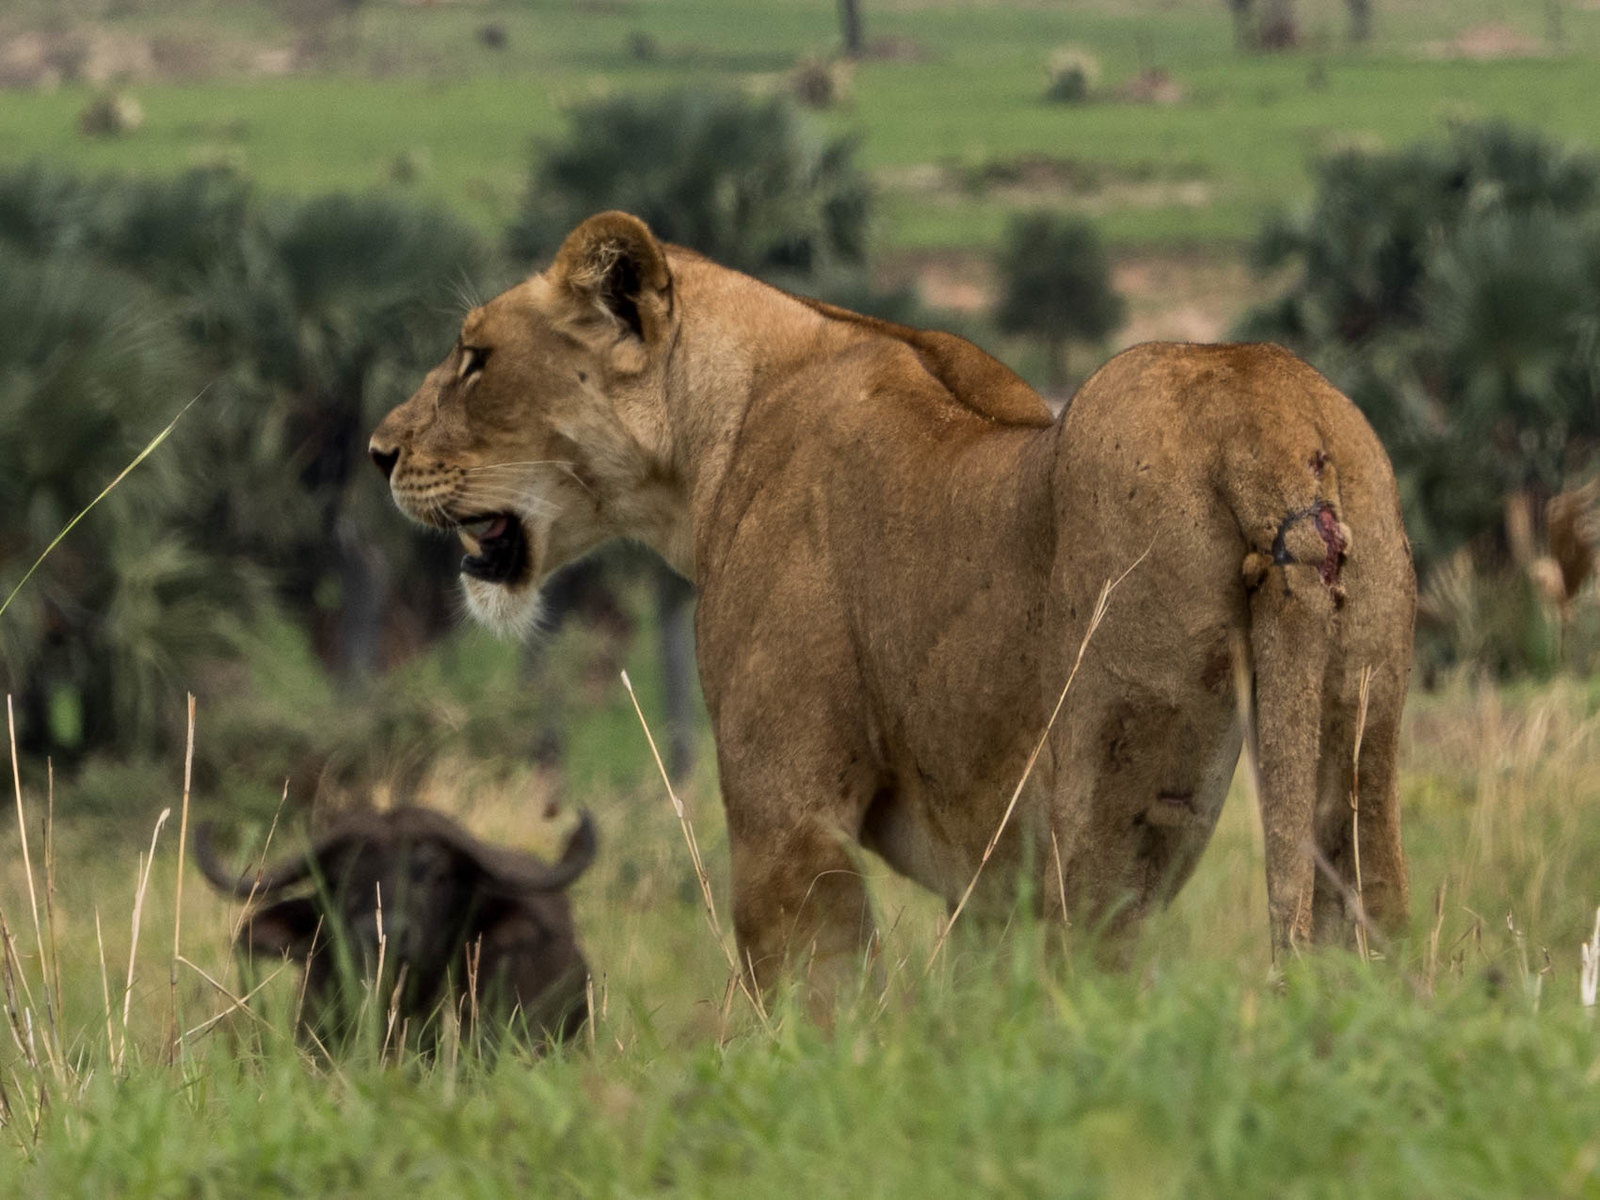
[(472, 360)]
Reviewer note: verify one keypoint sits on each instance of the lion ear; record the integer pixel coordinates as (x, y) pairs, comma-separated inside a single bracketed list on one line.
[(613, 263)]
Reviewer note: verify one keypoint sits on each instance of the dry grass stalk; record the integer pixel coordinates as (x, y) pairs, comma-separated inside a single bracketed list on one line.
[(1589, 979), (451, 1016), (261, 864), (29, 1119), (105, 982), (145, 863), (327, 1055), (1433, 937), (394, 1012), (1244, 699), (305, 976), (1532, 981), (1061, 878), (699, 868), (474, 961), (371, 989), (174, 1026), (52, 1031), (235, 1003), (1366, 932), (897, 968), (123, 474), (725, 1011), (1363, 692), (12, 973), (1100, 607), (594, 1014), (50, 891)]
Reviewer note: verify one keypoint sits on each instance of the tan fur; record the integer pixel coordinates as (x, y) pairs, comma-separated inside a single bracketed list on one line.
[(897, 554)]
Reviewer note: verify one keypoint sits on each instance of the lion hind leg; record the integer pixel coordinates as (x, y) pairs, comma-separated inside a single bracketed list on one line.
[(1358, 817), (801, 910), (1291, 638)]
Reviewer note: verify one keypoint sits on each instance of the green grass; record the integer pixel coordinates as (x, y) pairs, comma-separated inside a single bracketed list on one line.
[(1460, 1068), (1096, 1087), (415, 84)]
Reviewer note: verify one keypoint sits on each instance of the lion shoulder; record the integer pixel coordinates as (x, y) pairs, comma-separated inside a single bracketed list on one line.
[(975, 379)]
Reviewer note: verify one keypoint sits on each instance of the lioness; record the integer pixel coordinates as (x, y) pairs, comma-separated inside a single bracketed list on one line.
[(898, 551)]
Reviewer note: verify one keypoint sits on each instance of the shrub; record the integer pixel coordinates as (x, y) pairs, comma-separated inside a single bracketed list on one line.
[(1073, 74), (1055, 280)]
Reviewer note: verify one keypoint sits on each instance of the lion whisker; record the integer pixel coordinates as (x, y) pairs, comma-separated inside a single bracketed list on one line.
[(495, 498), (566, 466), (532, 462)]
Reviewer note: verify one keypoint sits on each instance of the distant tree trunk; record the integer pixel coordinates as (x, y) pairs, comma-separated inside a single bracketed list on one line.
[(1552, 24), (548, 746), (329, 427), (1278, 29), (559, 599), (1244, 34), (1056, 367), (674, 602), (1360, 20), (363, 601), (850, 24)]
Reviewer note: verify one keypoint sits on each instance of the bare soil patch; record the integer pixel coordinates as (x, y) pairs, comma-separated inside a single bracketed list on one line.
[(1182, 297), (33, 59), (1037, 180), (1488, 41), (1186, 297)]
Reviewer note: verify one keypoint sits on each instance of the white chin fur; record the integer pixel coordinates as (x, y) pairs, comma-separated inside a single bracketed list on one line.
[(510, 613)]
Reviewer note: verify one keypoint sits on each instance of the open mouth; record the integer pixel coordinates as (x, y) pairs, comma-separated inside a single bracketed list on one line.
[(497, 547)]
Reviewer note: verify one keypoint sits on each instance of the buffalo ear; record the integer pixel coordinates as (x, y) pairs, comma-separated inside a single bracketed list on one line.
[(613, 265), (288, 927)]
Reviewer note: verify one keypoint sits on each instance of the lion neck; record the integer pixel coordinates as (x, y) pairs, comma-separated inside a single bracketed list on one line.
[(737, 338)]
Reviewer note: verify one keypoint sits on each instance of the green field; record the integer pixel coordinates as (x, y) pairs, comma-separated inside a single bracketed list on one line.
[(413, 83), (1461, 1064)]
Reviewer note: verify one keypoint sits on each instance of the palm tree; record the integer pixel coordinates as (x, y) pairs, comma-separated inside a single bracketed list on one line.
[(307, 320), (116, 616), (852, 38)]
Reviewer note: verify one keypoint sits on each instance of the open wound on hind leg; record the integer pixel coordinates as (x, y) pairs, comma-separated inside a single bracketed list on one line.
[(1310, 536)]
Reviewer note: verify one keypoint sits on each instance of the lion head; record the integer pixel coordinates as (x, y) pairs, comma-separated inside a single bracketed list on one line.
[(543, 432)]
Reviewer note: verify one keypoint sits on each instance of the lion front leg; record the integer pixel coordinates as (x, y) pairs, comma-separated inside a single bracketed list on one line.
[(801, 911)]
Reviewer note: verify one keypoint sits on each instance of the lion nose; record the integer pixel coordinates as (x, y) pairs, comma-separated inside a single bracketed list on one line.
[(385, 459)]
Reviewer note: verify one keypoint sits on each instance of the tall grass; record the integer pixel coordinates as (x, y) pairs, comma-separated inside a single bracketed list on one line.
[(1463, 1063)]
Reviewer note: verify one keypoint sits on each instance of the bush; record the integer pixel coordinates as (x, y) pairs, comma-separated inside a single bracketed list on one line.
[(1055, 279), (1073, 74), (1452, 289), (309, 320), (118, 612)]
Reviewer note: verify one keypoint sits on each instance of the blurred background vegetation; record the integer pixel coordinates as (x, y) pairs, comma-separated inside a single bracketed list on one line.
[(284, 206)]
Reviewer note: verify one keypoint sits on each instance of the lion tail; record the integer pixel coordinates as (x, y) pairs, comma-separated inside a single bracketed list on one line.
[(1294, 588)]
